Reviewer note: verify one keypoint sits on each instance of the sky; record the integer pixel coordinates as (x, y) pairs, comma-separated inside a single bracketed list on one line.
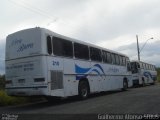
[(112, 24)]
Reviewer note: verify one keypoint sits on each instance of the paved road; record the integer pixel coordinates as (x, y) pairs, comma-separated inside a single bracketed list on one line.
[(135, 100)]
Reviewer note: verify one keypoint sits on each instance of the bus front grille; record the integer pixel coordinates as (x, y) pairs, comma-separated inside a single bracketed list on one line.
[(56, 80)]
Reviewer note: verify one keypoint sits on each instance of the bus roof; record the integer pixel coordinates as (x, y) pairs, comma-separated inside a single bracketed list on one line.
[(78, 41), (141, 62), (49, 32)]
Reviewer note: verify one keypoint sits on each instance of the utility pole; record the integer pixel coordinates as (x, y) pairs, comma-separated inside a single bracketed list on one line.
[(138, 48), (139, 51)]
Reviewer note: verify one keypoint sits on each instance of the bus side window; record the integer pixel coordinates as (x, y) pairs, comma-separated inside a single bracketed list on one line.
[(95, 54), (109, 59), (113, 58), (134, 67), (124, 61), (128, 66), (81, 51), (121, 60), (117, 59), (104, 56), (49, 45), (138, 66), (62, 47)]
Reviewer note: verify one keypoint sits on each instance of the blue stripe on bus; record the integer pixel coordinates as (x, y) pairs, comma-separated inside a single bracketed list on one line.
[(96, 68), (79, 69), (148, 74)]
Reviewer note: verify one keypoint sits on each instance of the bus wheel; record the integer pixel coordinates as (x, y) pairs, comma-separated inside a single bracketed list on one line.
[(125, 85), (83, 89)]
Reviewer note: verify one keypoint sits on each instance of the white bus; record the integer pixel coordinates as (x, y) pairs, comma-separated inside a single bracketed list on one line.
[(41, 62), (143, 73)]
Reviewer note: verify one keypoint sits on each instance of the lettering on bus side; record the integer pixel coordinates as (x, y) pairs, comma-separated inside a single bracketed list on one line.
[(24, 67), (55, 63), (24, 47), (20, 45), (115, 70), (16, 42)]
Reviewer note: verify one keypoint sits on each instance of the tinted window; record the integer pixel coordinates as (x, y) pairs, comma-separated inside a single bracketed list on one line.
[(81, 51), (62, 47), (143, 65), (49, 45), (146, 66), (154, 68), (113, 59), (121, 60), (109, 59), (128, 66), (150, 67), (138, 65), (117, 59), (134, 67), (124, 61), (95, 54), (104, 56), (127, 60)]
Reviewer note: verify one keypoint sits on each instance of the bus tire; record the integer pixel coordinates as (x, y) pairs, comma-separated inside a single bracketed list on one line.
[(125, 85), (83, 89)]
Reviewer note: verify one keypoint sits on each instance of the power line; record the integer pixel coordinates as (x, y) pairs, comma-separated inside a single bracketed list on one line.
[(38, 9), (40, 12), (34, 10)]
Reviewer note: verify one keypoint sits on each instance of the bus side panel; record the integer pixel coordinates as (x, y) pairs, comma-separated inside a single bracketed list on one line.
[(106, 78), (70, 82), (55, 76)]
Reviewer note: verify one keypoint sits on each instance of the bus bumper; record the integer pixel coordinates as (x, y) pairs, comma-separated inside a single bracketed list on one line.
[(27, 91)]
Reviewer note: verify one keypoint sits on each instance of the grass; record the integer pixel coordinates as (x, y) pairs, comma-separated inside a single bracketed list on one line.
[(6, 100)]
